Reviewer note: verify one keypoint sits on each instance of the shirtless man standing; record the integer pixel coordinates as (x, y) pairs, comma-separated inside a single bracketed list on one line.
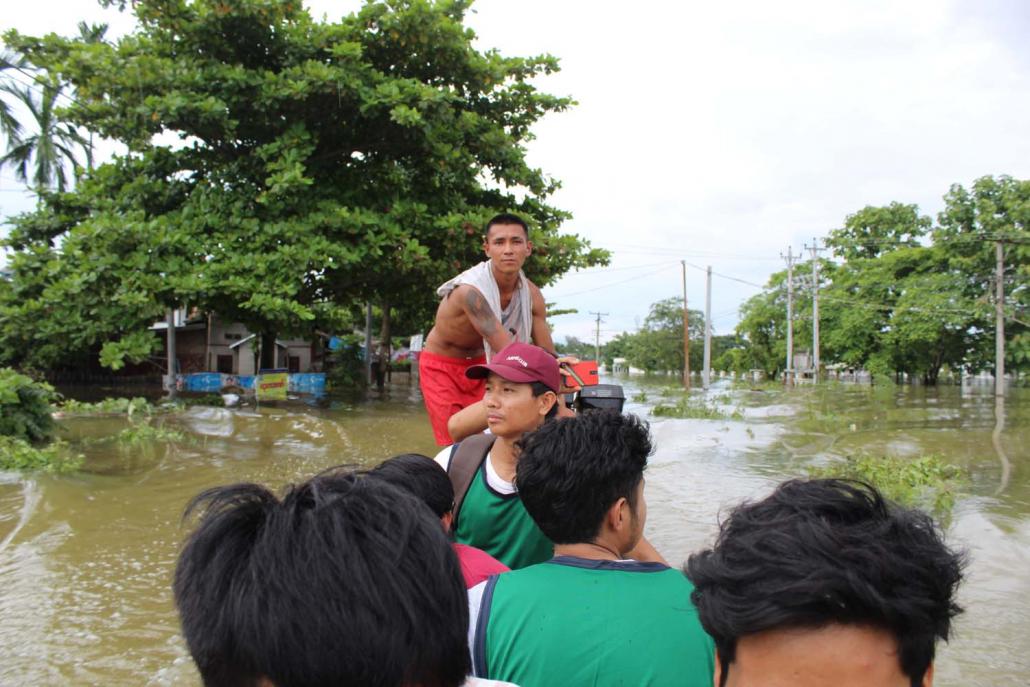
[(483, 310)]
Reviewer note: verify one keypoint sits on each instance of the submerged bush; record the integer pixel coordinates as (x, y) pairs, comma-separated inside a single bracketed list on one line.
[(109, 406), (927, 482), (685, 407), (345, 367), (143, 432), (25, 407), (18, 454)]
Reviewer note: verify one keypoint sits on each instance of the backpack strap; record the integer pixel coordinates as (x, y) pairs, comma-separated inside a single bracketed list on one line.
[(466, 457)]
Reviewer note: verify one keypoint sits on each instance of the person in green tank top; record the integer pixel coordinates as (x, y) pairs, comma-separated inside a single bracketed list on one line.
[(522, 383), (592, 615)]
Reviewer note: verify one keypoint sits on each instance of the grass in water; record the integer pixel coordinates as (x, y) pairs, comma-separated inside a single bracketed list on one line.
[(18, 454), (144, 432), (141, 432), (695, 410), (109, 406), (927, 482)]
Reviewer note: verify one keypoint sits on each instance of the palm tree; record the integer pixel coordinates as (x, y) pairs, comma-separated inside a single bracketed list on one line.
[(53, 146), (40, 159), (10, 127)]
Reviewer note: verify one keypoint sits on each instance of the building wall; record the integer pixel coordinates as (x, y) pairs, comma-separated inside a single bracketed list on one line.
[(225, 334)]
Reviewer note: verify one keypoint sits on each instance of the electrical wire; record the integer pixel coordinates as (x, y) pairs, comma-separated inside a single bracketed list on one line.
[(615, 283)]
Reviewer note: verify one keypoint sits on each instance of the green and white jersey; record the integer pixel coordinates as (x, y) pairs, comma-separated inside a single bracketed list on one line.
[(492, 518), (574, 621)]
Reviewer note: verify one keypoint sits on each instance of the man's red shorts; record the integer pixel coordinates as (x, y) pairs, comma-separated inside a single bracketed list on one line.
[(446, 389)]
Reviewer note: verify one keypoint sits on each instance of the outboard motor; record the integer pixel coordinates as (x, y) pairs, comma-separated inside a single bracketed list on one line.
[(600, 397)]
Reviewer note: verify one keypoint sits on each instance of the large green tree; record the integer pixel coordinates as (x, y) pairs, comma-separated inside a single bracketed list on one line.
[(279, 170), (873, 231), (763, 325)]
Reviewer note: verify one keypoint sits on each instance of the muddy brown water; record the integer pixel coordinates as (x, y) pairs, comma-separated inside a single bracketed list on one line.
[(86, 560)]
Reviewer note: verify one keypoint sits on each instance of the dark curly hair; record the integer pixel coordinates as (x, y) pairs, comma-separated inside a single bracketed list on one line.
[(570, 472), (825, 551)]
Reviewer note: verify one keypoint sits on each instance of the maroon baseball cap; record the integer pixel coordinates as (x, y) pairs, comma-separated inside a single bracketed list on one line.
[(522, 363)]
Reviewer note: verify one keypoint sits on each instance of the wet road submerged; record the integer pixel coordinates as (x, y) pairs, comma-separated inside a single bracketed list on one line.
[(86, 561)]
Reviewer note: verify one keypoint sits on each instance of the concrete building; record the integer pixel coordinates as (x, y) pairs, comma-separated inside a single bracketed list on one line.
[(209, 344)]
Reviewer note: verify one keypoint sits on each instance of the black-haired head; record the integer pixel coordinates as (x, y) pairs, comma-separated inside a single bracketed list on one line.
[(506, 218), (822, 552), (345, 580), (421, 476), (570, 472)]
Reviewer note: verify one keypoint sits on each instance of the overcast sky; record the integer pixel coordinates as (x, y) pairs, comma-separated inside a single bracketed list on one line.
[(722, 133)]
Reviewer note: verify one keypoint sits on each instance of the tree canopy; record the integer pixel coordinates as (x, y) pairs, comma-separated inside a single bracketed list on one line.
[(658, 344), (278, 171)]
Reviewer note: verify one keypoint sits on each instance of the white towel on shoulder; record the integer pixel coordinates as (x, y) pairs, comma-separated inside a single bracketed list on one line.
[(517, 321)]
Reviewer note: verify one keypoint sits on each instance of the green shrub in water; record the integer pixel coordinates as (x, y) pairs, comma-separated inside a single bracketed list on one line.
[(18, 454), (144, 432), (109, 406), (695, 410), (927, 482), (345, 368), (140, 432), (25, 407)]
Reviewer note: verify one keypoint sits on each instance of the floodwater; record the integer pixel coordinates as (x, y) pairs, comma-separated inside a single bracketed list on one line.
[(86, 560)]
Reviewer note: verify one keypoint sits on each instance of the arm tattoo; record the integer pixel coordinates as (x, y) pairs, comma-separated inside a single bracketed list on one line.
[(480, 314)]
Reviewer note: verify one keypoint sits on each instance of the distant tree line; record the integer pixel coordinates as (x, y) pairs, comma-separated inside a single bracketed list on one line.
[(901, 294), (907, 295), (657, 346)]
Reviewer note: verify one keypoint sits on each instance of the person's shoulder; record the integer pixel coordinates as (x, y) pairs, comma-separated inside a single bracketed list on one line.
[(484, 563), (464, 289), (483, 682), (443, 458), (458, 293)]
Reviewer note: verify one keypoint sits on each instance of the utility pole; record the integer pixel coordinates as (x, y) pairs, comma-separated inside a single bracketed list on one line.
[(815, 307), (686, 331), (999, 319), (173, 392), (707, 377), (597, 335), (789, 373), (368, 343)]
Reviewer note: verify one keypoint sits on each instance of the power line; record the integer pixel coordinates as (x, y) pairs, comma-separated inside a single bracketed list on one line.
[(726, 276), (664, 250), (611, 284), (37, 81), (605, 270)]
